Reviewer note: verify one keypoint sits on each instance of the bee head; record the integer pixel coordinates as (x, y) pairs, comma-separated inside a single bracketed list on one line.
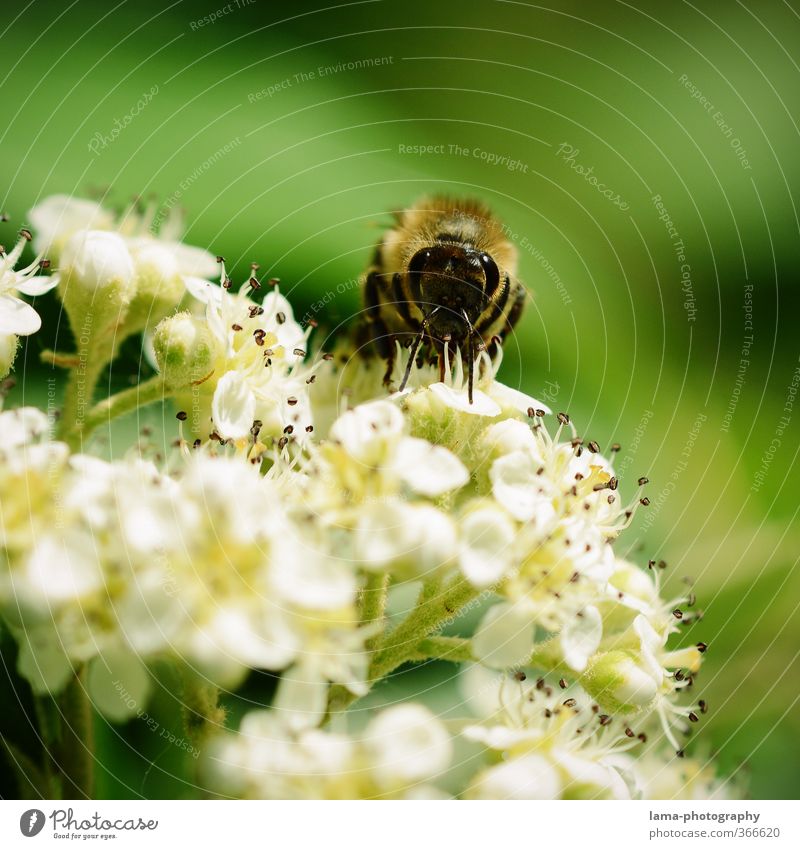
[(457, 280)]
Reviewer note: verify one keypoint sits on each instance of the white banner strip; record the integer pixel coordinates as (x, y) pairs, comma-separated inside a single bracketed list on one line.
[(401, 825)]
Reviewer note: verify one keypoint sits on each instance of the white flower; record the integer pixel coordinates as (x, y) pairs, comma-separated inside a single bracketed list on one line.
[(16, 316), (415, 538), (554, 746), (401, 749), (406, 744), (57, 217)]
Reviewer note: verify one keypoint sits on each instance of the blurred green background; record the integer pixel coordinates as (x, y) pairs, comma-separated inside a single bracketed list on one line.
[(287, 132)]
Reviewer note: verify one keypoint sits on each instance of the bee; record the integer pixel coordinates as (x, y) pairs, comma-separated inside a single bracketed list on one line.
[(444, 276)]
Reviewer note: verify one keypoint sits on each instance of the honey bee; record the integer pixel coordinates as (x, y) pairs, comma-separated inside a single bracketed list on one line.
[(444, 276)]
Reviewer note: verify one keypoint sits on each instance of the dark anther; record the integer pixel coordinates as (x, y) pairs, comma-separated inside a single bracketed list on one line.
[(645, 502), (220, 259), (309, 428), (280, 318), (181, 416), (570, 703), (703, 706), (562, 683), (291, 401), (643, 481), (593, 447), (563, 418), (299, 352), (677, 613), (254, 284), (236, 327), (26, 234), (520, 676), (702, 647), (693, 717), (327, 357), (616, 447)]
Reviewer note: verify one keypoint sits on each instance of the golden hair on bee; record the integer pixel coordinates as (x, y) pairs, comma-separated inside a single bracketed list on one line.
[(444, 277)]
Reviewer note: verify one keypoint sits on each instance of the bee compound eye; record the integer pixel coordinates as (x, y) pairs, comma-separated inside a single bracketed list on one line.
[(491, 273), (419, 261)]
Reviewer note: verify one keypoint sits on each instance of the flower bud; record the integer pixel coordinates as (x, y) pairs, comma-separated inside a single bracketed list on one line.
[(99, 261), (98, 282), (159, 285), (619, 683), (184, 349), (8, 352)]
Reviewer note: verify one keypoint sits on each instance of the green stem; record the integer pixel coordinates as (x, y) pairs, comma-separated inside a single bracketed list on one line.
[(148, 392), (78, 397), (372, 602), (435, 607), (454, 649), (76, 747)]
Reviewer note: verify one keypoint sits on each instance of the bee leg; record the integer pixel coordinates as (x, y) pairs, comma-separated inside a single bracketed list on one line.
[(415, 347), (471, 361)]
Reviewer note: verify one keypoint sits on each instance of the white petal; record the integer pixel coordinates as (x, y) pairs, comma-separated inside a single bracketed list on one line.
[(406, 744), (528, 777), (513, 399), (40, 285), (504, 638), (590, 779), (58, 216), (42, 662), (118, 684), (18, 317), (515, 485), (234, 406), (581, 637), (202, 290), (651, 644), (487, 536), (191, 260), (301, 699), (429, 469), (482, 404)]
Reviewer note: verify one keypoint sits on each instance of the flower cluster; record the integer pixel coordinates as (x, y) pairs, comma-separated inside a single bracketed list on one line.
[(302, 500)]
